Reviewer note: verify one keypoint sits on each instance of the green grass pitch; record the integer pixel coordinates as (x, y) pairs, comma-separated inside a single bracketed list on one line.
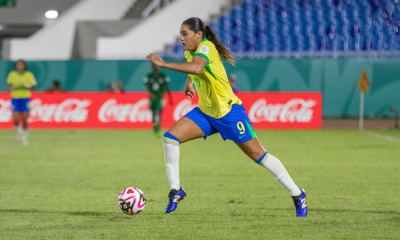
[(65, 184)]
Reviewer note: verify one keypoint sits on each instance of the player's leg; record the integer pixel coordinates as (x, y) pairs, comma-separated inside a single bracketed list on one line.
[(18, 129), (257, 153), (156, 122), (156, 106), (182, 131), (25, 116), (237, 127), (194, 125), (16, 117)]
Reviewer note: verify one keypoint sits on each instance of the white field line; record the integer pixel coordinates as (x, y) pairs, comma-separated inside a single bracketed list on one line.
[(381, 136)]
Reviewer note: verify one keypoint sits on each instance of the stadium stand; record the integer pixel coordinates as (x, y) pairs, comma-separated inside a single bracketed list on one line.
[(307, 27), (55, 41)]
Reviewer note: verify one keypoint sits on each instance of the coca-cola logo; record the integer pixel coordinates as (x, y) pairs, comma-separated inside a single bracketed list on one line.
[(70, 110), (5, 110), (295, 110), (182, 108), (125, 112)]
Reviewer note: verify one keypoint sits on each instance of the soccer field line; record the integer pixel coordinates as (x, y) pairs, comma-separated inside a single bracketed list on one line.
[(381, 136)]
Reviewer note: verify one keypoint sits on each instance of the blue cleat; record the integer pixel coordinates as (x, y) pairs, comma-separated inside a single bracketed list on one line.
[(174, 197), (300, 204)]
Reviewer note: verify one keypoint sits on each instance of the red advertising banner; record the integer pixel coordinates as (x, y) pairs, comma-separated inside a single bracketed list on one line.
[(131, 110)]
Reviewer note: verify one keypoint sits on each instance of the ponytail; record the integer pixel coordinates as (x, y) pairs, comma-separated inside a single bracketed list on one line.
[(222, 50), (195, 24)]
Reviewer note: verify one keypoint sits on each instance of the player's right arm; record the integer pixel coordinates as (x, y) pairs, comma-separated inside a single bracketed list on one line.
[(9, 83), (189, 89)]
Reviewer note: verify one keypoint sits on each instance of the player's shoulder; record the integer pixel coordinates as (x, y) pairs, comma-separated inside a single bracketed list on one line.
[(12, 76), (206, 46), (207, 42), (148, 76), (30, 74), (163, 75), (13, 73)]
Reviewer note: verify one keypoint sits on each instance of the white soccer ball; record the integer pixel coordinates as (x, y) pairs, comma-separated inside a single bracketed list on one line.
[(131, 201)]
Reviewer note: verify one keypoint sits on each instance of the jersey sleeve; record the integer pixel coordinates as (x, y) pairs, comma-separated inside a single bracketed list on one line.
[(32, 79), (205, 51), (9, 78)]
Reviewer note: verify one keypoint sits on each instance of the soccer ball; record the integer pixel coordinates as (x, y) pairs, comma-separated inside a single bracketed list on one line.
[(131, 201)]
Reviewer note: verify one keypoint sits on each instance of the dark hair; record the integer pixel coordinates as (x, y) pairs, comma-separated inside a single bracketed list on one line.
[(195, 24), (23, 61), (57, 83)]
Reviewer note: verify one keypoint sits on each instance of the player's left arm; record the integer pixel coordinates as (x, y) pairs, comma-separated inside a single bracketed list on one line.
[(195, 67)]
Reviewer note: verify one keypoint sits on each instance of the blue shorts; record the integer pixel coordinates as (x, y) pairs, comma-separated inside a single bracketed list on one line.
[(234, 126), (20, 104)]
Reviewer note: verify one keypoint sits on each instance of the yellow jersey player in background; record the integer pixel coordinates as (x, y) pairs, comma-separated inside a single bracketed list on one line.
[(219, 111), (21, 82)]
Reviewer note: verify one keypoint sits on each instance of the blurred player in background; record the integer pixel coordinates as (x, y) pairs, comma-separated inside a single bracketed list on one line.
[(219, 111), (116, 87), (21, 82), (157, 83), (56, 88)]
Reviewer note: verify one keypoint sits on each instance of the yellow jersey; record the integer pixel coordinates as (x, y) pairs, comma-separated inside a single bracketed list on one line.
[(215, 93), (17, 80)]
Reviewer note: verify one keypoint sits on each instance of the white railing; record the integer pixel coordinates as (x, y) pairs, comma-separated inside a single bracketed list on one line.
[(154, 5)]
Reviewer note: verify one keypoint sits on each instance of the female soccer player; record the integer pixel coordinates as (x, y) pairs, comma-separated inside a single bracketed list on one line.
[(219, 111), (21, 82)]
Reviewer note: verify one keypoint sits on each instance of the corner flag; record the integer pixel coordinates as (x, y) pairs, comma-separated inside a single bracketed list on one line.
[(363, 84)]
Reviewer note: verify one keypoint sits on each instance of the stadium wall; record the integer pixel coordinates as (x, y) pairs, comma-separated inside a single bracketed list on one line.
[(337, 79), (55, 40)]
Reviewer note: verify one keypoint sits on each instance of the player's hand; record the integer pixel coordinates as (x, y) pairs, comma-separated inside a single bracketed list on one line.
[(27, 86), (156, 60), (189, 90)]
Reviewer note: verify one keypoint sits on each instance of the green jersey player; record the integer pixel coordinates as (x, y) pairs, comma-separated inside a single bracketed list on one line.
[(157, 83)]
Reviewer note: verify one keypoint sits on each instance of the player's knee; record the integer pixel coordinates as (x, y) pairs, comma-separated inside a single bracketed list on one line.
[(169, 138)]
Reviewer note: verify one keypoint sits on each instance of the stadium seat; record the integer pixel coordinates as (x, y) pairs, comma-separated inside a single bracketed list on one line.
[(304, 25)]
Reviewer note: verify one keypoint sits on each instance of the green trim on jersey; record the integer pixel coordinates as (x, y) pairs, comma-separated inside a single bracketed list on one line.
[(209, 70), (204, 56), (207, 67)]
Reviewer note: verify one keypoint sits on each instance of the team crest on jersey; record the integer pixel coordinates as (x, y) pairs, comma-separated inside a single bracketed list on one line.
[(204, 49)]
